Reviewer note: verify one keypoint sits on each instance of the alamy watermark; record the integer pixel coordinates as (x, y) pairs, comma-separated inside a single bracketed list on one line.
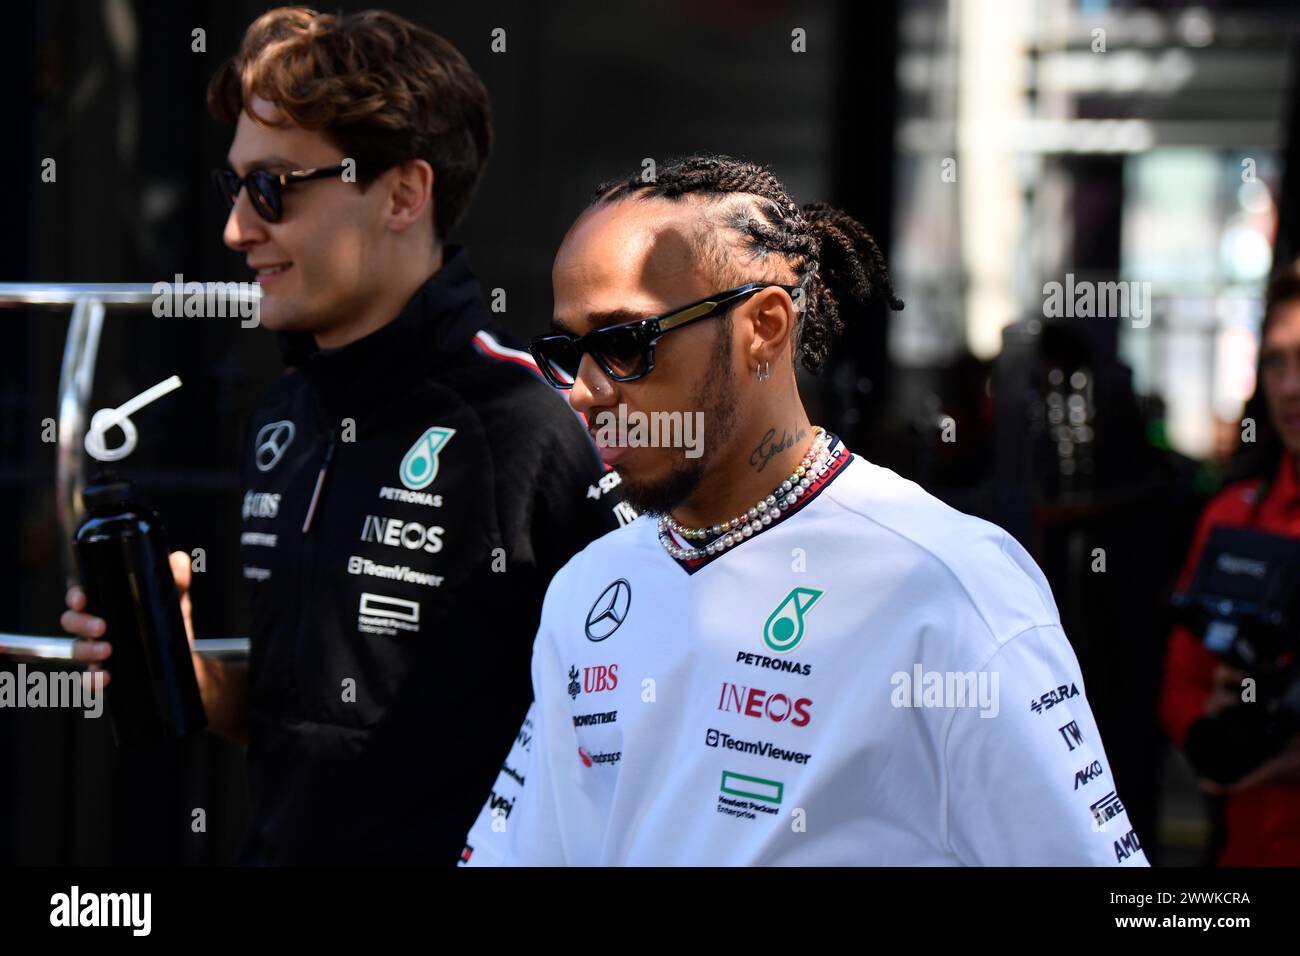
[(83, 690), (651, 430), (922, 688), (1085, 300), (130, 910), (208, 300)]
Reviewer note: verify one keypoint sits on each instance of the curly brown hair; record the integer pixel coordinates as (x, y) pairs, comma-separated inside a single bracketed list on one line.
[(382, 89)]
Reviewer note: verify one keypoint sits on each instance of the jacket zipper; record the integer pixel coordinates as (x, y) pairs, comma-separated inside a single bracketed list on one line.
[(320, 482)]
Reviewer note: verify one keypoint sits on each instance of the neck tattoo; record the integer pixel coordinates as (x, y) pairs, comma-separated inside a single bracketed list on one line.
[(769, 446), (761, 515)]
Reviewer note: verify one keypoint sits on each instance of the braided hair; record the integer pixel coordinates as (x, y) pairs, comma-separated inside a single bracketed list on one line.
[(835, 261)]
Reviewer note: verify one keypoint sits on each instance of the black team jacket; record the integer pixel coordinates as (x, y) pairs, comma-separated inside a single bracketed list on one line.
[(407, 499)]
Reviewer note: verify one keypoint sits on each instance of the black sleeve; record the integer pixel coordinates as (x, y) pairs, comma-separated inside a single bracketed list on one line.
[(577, 501)]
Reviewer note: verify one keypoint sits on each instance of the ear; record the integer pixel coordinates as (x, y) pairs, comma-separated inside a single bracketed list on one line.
[(772, 317), (410, 194)]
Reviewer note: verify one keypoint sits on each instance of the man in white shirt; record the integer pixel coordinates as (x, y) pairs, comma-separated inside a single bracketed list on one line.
[(793, 656)]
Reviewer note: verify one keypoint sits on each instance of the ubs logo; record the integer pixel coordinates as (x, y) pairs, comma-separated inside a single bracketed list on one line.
[(261, 504), (595, 680)]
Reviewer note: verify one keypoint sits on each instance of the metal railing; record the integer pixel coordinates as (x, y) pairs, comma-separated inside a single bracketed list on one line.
[(35, 648), (89, 302)]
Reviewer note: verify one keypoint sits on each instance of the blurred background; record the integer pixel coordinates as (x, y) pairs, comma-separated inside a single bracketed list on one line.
[(992, 146)]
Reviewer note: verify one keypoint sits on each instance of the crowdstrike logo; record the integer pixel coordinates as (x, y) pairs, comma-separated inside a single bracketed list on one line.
[(420, 465), (609, 610), (587, 720)]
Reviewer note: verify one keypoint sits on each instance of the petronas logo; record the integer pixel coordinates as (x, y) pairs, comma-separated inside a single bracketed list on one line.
[(784, 628), (420, 466)]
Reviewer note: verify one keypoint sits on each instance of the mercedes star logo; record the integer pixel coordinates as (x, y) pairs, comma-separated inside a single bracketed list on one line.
[(273, 441), (609, 611)]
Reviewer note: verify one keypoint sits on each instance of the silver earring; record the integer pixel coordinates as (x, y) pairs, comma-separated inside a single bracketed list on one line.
[(763, 372)]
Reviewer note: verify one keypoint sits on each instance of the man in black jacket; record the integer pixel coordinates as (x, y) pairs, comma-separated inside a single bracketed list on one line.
[(411, 486)]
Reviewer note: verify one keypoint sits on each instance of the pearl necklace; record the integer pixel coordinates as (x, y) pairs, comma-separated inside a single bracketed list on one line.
[(749, 523)]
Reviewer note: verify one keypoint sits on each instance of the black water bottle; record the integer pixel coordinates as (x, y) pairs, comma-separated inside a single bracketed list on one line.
[(122, 556)]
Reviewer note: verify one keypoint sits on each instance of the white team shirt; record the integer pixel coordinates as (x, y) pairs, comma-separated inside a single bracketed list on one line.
[(874, 679)]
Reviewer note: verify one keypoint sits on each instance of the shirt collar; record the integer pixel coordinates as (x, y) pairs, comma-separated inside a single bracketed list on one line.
[(441, 317)]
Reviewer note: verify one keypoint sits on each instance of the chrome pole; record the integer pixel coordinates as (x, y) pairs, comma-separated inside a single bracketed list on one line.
[(75, 381), (42, 648)]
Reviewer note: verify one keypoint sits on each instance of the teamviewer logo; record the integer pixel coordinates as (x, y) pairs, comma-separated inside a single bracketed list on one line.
[(711, 738)]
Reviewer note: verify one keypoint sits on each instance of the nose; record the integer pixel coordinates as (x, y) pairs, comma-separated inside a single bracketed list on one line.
[(244, 227), (592, 388)]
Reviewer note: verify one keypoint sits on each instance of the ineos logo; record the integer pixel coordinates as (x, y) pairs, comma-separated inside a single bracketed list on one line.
[(753, 702)]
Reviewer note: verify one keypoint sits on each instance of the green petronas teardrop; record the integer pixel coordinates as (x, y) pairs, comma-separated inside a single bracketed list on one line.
[(784, 628), (420, 465)]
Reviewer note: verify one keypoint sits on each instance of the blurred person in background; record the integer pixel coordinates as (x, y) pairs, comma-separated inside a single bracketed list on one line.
[(1261, 810)]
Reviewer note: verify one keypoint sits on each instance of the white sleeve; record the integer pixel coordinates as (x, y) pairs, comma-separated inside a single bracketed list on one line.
[(485, 845), (520, 823), (1029, 784)]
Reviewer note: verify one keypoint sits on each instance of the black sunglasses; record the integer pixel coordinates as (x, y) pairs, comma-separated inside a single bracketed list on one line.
[(626, 352), (266, 189)]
